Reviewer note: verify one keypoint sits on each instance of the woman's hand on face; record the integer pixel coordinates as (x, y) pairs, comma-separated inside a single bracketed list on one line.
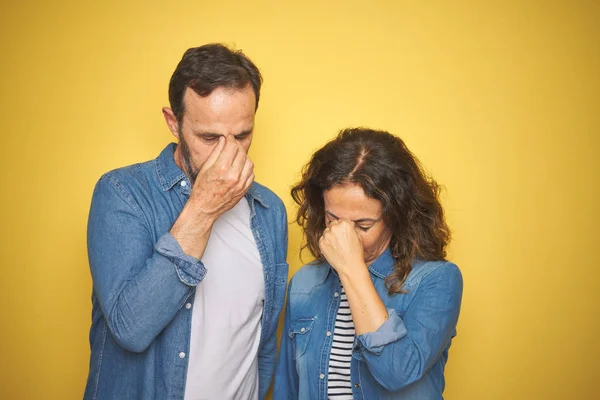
[(342, 247)]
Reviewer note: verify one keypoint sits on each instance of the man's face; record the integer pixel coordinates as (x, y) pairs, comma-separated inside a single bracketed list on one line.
[(225, 112)]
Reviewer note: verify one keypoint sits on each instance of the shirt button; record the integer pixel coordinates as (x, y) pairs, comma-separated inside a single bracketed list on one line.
[(322, 376), (302, 330), (336, 294), (357, 385), (188, 305), (328, 333), (183, 183), (181, 355)]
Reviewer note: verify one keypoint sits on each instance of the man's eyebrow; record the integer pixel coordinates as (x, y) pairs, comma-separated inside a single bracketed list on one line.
[(358, 221), (208, 134), (215, 135), (244, 133)]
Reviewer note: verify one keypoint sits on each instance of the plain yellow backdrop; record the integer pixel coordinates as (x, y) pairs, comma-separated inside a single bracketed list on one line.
[(499, 99)]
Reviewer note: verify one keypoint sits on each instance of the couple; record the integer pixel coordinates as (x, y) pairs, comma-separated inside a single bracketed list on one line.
[(188, 260)]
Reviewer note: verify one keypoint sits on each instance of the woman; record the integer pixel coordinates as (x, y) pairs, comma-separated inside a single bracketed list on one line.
[(374, 315)]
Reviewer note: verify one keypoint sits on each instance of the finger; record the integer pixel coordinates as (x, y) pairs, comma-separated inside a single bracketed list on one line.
[(214, 155), (229, 152), (249, 182), (244, 189), (247, 170), (239, 165), (323, 245), (345, 221), (333, 225), (321, 242)]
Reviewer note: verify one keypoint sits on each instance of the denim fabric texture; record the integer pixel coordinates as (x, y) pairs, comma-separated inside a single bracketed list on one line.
[(144, 284), (403, 359)]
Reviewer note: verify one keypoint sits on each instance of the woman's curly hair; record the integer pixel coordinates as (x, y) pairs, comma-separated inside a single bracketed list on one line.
[(386, 170)]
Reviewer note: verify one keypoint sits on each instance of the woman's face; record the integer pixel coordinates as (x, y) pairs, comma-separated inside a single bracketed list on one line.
[(349, 201)]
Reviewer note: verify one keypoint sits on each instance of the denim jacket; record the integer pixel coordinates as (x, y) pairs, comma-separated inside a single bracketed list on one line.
[(403, 359), (144, 284)]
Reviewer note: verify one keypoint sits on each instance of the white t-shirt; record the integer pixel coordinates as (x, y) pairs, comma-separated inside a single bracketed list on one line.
[(226, 314)]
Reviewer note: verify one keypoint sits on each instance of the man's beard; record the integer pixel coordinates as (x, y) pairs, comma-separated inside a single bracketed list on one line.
[(187, 163)]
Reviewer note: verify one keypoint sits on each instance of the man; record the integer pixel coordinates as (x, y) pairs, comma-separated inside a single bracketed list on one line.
[(187, 252)]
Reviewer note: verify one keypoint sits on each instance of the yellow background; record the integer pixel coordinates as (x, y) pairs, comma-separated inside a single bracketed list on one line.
[(499, 100)]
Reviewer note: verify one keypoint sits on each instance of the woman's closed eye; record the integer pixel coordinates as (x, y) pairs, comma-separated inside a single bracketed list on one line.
[(361, 227)]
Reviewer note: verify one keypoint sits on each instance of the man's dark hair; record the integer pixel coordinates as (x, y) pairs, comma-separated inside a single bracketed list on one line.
[(205, 68)]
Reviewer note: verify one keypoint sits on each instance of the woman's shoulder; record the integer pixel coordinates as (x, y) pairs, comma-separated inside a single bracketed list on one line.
[(309, 276), (433, 271)]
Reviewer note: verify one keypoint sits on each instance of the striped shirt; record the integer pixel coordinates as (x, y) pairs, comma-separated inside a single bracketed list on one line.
[(339, 386)]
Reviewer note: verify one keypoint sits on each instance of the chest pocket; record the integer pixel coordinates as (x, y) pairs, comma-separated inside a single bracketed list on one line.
[(300, 333)]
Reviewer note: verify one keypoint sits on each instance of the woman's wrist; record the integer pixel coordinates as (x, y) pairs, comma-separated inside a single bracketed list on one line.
[(355, 272)]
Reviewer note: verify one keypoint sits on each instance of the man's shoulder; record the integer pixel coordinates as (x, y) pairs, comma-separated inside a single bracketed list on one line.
[(141, 175), (131, 172), (147, 173)]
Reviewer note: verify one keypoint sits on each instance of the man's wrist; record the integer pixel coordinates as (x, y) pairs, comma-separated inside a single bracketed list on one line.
[(192, 230)]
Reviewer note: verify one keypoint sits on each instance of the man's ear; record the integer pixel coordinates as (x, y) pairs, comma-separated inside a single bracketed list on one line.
[(171, 121)]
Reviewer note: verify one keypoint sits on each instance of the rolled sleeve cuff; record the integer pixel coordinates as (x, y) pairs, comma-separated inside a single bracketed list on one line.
[(391, 330), (190, 270)]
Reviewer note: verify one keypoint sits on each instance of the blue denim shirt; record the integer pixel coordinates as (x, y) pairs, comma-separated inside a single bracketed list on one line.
[(140, 333), (403, 359)]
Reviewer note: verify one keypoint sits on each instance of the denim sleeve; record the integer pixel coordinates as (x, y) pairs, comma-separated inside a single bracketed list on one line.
[(140, 285), (402, 350), (190, 270), (268, 352), (286, 378)]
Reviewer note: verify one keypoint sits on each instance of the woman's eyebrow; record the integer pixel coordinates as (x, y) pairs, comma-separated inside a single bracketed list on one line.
[(358, 221)]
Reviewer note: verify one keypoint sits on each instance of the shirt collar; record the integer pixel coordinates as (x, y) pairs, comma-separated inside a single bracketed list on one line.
[(169, 174), (383, 265), (253, 194)]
